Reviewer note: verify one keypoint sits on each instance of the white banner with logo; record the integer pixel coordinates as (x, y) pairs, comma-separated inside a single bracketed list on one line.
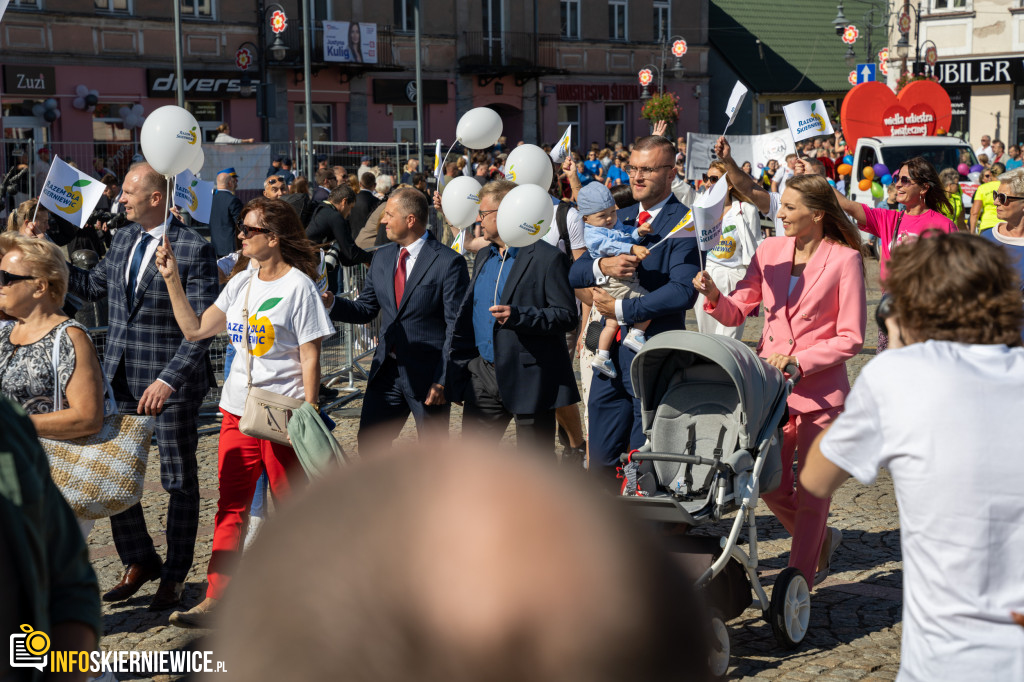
[(708, 209), (69, 193), (757, 149), (350, 42), (807, 119), (193, 195)]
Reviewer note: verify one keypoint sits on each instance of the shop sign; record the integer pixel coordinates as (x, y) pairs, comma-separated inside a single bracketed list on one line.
[(403, 92), (598, 92), (980, 71), (29, 80), (163, 83)]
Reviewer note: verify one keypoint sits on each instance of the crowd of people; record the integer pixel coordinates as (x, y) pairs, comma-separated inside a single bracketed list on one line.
[(496, 329)]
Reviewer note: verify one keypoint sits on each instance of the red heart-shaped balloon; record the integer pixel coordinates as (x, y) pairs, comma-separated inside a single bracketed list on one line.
[(871, 109)]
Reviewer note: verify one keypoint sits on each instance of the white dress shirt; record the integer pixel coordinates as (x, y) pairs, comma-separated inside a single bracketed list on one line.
[(157, 233), (414, 252)]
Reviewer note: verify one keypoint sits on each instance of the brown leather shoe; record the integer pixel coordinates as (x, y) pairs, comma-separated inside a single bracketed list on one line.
[(167, 595), (135, 576)]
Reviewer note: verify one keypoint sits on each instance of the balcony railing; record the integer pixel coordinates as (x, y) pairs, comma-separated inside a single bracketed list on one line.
[(292, 38), (508, 52)]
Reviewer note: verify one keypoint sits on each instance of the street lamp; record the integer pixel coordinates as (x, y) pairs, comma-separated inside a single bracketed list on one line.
[(870, 22), (840, 22), (646, 77)]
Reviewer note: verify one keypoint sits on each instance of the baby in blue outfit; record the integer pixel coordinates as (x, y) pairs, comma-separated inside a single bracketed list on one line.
[(606, 236)]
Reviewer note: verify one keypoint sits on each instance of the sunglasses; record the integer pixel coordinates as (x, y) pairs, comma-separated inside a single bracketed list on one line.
[(250, 231), (8, 278), (1005, 199), (902, 180), (712, 178), (271, 183)]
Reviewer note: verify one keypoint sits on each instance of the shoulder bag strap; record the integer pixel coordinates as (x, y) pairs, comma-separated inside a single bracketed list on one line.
[(245, 331), (896, 232), (109, 404)]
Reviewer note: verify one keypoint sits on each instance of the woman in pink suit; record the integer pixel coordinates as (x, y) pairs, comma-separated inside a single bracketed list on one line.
[(811, 282)]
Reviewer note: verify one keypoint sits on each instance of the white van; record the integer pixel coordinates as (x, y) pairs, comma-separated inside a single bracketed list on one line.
[(942, 151)]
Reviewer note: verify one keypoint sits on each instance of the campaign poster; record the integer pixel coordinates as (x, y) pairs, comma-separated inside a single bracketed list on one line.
[(352, 42)]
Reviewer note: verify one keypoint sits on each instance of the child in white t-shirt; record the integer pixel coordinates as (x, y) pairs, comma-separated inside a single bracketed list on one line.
[(606, 236)]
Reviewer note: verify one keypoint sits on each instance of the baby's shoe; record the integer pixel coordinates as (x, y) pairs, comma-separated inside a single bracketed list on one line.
[(634, 340), (604, 366)]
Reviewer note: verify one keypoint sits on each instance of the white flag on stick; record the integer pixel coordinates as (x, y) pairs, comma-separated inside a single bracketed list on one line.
[(708, 209), (561, 150), (739, 92), (807, 119), (685, 228), (438, 171), (193, 195), (70, 192)]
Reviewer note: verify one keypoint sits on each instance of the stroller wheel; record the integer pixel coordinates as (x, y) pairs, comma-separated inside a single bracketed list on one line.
[(718, 659), (790, 610)]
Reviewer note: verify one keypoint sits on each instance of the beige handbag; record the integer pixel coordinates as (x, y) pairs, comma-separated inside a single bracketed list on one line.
[(266, 413)]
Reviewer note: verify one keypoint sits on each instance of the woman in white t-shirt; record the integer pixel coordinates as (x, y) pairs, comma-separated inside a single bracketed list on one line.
[(941, 411), (728, 261), (285, 328)]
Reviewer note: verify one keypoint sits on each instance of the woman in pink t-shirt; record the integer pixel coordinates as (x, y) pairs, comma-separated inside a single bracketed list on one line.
[(920, 191)]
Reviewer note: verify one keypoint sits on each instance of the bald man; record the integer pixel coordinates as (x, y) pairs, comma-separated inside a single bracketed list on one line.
[(154, 371), (224, 213), (459, 565)]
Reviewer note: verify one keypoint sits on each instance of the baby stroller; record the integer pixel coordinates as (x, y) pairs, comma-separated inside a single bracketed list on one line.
[(712, 412)]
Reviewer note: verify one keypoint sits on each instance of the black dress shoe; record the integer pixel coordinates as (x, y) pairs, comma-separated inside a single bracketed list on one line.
[(167, 595), (135, 576)]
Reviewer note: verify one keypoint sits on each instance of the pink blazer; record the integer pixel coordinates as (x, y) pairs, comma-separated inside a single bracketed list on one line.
[(821, 323)]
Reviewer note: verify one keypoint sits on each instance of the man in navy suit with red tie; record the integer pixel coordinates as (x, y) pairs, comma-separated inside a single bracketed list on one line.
[(416, 284)]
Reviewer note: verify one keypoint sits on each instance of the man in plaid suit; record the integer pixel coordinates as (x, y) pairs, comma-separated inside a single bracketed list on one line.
[(154, 371)]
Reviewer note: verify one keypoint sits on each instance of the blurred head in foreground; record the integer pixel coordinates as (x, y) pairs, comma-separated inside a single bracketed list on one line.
[(461, 566)]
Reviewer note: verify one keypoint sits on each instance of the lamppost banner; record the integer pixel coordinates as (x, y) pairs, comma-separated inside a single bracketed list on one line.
[(350, 42)]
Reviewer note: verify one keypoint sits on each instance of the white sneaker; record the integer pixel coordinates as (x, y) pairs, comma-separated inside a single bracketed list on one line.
[(634, 340), (604, 366), (255, 523)]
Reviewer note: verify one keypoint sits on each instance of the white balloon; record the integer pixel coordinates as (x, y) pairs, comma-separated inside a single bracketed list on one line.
[(974, 177), (198, 160), (525, 215), (479, 128), (137, 110), (169, 138), (81, 90), (78, 103), (528, 164), (460, 202), (125, 113), (38, 110)]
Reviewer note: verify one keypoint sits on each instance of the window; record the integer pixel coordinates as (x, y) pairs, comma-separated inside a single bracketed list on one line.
[(662, 20), (949, 5), (209, 115), (194, 9), (25, 4), (571, 19), (322, 115), (569, 115), (112, 5), (404, 15), (107, 125), (614, 123), (405, 123), (617, 25)]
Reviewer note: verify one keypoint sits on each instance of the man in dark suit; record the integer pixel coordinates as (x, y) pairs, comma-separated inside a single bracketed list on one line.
[(330, 223), (154, 371), (325, 182), (224, 213), (365, 204), (667, 274), (514, 318), (415, 283)]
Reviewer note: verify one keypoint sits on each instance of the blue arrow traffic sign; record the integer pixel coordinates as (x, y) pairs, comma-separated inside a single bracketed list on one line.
[(865, 73)]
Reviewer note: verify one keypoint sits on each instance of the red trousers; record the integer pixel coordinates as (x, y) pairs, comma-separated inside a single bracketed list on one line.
[(802, 514), (240, 461)]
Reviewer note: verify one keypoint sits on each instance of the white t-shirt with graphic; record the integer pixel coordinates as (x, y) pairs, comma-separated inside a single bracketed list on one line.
[(283, 315), (741, 231)]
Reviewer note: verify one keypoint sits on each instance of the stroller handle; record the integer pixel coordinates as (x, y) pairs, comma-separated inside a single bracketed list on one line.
[(794, 373), (671, 457)]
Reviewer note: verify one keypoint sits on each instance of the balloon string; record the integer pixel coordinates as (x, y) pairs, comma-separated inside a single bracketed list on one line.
[(445, 159), (497, 281)]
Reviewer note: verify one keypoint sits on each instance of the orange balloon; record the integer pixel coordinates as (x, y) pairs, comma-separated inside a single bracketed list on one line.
[(865, 184), (869, 174), (940, 131), (844, 169)]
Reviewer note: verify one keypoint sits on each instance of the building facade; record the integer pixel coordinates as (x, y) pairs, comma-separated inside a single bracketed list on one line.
[(542, 65)]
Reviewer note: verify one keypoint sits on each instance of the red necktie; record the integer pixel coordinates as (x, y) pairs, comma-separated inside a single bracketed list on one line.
[(642, 218), (400, 276)]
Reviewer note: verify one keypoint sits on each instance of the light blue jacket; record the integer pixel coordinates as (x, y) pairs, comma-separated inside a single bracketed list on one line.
[(603, 242)]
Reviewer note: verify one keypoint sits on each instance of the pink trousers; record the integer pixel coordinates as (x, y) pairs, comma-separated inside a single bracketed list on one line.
[(802, 514)]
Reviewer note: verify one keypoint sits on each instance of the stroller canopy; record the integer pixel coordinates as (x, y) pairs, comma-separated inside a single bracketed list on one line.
[(667, 358)]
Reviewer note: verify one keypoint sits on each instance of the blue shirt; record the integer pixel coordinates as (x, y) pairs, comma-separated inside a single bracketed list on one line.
[(492, 273), (592, 168), (603, 242), (617, 176), (1016, 251), (1013, 163)]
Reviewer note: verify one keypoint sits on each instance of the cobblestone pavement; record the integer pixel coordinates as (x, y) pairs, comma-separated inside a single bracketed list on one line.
[(854, 629)]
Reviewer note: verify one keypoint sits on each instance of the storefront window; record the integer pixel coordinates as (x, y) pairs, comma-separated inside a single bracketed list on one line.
[(614, 123), (569, 115), (405, 123), (106, 122), (322, 115), (112, 5), (209, 115)]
